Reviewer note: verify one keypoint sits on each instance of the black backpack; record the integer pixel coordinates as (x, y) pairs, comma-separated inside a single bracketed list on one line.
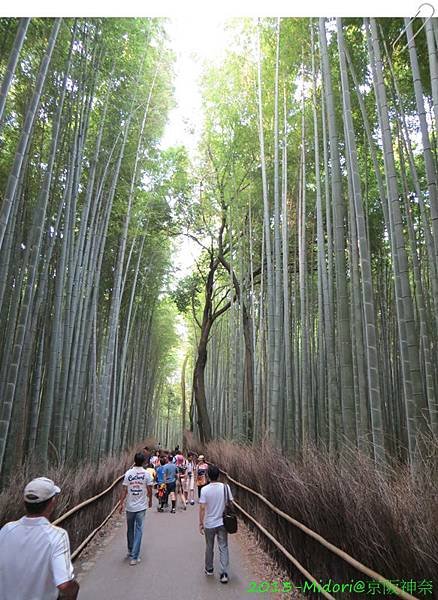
[(229, 516)]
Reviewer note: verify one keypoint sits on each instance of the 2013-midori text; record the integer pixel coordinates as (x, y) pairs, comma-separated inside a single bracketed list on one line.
[(421, 587)]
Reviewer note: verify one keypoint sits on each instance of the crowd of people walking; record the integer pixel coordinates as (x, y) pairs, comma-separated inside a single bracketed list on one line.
[(45, 549), (174, 477)]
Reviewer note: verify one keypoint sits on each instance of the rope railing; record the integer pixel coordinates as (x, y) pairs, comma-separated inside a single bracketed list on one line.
[(88, 539), (82, 505), (286, 553), (86, 502), (349, 559), (316, 536)]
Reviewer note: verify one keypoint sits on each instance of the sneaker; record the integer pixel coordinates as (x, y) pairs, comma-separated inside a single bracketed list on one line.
[(132, 562), (208, 571), (192, 502), (223, 578), (173, 511)]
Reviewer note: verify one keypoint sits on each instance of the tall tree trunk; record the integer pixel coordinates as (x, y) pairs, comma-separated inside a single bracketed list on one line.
[(276, 408), (272, 425), (12, 64), (183, 397), (409, 348), (14, 176), (372, 360), (339, 215)]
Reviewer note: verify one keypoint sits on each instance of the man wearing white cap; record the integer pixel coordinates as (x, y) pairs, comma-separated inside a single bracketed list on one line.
[(35, 559)]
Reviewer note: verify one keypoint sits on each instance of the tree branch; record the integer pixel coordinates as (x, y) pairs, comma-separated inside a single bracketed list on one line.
[(220, 312), (195, 239), (194, 313)]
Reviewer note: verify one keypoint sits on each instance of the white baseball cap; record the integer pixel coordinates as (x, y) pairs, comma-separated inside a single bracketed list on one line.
[(201, 457), (40, 489)]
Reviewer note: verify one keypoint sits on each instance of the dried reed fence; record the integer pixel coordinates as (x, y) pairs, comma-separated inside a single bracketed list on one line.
[(385, 521), (78, 486)]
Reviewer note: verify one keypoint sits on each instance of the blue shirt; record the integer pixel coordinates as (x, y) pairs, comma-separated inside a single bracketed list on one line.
[(169, 473), (160, 474)]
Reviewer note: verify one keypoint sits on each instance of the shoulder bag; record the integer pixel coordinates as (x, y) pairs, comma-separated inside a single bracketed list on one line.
[(230, 519)]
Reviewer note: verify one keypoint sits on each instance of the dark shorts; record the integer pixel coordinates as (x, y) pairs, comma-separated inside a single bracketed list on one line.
[(171, 486)]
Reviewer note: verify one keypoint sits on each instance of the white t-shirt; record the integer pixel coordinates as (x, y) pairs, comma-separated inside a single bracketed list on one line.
[(213, 495), (34, 559), (136, 480)]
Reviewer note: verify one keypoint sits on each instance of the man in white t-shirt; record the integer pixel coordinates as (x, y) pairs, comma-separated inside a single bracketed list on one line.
[(211, 522), (35, 559), (137, 485)]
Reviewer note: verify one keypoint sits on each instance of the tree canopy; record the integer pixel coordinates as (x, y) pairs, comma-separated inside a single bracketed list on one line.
[(312, 307)]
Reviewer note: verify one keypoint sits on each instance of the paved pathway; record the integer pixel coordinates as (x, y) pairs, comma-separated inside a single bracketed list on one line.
[(172, 564)]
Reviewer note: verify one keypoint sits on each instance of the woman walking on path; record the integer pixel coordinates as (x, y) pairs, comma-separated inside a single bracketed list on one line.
[(161, 486), (151, 470), (190, 479), (201, 475), (155, 459), (181, 465)]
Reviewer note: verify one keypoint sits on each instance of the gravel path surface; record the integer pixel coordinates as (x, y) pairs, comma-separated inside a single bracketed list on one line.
[(171, 567)]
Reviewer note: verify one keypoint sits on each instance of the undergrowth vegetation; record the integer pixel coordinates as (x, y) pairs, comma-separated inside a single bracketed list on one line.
[(386, 520), (77, 484)]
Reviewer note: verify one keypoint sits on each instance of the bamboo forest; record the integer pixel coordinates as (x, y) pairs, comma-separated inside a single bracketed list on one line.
[(309, 315)]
